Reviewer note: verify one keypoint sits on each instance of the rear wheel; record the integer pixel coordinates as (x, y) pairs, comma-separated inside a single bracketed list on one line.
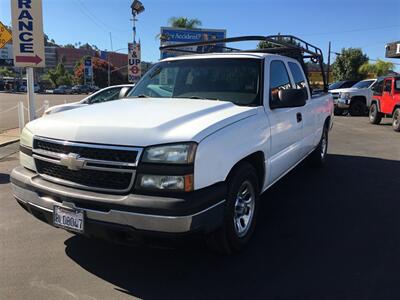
[(240, 211), (357, 108), (318, 156), (396, 120), (375, 116)]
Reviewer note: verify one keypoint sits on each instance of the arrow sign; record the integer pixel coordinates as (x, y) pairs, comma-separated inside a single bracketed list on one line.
[(28, 59)]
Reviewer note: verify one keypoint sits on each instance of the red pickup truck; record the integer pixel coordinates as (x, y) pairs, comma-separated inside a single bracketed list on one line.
[(386, 101)]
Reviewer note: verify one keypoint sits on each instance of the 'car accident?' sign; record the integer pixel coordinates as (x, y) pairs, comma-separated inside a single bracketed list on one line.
[(134, 69), (27, 33)]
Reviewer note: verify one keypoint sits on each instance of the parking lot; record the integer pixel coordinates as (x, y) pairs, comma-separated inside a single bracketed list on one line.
[(9, 102), (333, 233)]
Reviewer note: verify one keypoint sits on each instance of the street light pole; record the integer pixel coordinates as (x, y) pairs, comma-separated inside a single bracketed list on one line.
[(109, 61)]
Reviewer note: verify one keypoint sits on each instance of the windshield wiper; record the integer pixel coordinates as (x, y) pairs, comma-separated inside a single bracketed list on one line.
[(140, 96), (197, 97)]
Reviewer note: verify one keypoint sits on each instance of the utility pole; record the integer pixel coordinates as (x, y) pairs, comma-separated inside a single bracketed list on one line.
[(329, 62)]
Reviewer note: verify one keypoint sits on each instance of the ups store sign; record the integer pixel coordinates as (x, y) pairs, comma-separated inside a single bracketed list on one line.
[(393, 50)]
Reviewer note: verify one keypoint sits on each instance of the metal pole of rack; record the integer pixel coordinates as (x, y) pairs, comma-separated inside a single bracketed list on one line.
[(329, 63)]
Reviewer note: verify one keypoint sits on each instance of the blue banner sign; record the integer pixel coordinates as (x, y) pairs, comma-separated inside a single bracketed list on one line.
[(170, 36)]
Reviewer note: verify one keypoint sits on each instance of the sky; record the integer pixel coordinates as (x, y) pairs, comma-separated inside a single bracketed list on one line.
[(365, 24)]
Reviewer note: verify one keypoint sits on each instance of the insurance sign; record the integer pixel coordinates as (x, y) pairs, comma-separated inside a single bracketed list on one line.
[(171, 36), (134, 61), (27, 33)]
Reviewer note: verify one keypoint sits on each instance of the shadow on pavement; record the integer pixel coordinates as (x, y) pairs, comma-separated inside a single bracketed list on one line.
[(4, 178), (331, 233)]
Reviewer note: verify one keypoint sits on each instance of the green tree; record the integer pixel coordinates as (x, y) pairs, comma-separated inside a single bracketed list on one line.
[(182, 22), (380, 68), (348, 63), (59, 76), (266, 44), (6, 72)]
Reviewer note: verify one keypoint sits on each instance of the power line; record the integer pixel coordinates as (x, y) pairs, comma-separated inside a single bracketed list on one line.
[(351, 30)]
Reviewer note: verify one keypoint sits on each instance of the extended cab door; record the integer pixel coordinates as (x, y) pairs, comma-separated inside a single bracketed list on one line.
[(286, 122), (308, 111), (387, 102)]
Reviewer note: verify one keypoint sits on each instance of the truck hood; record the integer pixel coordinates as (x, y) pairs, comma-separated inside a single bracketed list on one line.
[(141, 121), (349, 90)]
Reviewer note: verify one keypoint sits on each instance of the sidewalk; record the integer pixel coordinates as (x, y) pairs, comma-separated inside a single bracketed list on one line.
[(9, 136)]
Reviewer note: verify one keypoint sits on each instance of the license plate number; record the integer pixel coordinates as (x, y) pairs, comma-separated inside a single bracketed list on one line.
[(71, 219)]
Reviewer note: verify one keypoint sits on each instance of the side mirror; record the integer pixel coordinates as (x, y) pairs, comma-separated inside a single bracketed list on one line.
[(291, 98)]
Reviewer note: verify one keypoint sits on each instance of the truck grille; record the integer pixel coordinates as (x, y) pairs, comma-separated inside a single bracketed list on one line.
[(335, 96), (86, 166)]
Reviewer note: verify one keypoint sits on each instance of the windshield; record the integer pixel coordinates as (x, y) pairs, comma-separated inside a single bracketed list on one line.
[(335, 85), (363, 84), (236, 80)]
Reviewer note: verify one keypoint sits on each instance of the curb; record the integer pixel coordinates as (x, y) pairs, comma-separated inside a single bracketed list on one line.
[(9, 142)]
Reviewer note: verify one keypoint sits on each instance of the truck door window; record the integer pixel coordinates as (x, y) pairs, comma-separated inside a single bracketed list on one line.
[(298, 77), (388, 86), (278, 80), (377, 87), (397, 85)]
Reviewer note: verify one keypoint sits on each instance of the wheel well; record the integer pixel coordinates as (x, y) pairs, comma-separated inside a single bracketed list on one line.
[(395, 107), (359, 98), (257, 160)]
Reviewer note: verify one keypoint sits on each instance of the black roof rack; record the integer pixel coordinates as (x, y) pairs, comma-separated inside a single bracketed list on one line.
[(287, 45)]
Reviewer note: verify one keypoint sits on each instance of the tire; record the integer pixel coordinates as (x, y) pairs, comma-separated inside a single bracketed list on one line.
[(317, 158), (375, 116), (357, 108), (396, 120), (338, 111), (240, 212)]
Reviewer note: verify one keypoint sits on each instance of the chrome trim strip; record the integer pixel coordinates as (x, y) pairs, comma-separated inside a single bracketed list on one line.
[(95, 146), (85, 166)]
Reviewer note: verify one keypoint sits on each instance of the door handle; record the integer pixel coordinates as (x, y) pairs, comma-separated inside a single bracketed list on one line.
[(299, 117)]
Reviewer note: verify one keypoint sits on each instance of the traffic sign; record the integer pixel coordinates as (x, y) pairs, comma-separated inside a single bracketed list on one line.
[(5, 35), (27, 33), (134, 69)]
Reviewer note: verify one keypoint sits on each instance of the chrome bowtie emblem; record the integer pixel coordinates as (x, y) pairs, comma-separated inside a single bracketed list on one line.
[(72, 161)]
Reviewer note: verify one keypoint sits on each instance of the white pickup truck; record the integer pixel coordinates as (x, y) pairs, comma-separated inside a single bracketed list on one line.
[(199, 138), (356, 99)]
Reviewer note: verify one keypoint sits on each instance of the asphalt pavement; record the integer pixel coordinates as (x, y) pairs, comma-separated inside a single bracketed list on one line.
[(330, 233)]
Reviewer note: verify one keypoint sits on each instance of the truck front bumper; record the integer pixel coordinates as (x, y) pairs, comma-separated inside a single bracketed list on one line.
[(199, 211), (342, 103)]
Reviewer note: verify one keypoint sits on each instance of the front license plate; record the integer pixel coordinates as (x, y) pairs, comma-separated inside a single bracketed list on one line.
[(71, 219)]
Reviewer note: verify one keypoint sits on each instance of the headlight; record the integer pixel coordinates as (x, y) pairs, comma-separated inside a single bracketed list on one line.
[(166, 182), (26, 138), (345, 95), (170, 154)]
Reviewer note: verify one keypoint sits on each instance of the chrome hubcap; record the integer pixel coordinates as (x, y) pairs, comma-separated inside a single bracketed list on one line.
[(372, 112), (396, 119), (244, 208)]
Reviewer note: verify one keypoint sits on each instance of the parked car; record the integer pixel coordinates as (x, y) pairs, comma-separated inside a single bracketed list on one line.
[(63, 89), (386, 101), (81, 89), (356, 100), (24, 89), (107, 94), (191, 150)]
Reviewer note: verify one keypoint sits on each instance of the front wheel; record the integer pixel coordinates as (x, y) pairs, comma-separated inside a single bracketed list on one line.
[(357, 108), (240, 211), (396, 120), (375, 116)]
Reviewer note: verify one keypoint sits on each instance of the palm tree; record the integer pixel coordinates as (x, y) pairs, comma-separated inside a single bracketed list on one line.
[(182, 22)]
